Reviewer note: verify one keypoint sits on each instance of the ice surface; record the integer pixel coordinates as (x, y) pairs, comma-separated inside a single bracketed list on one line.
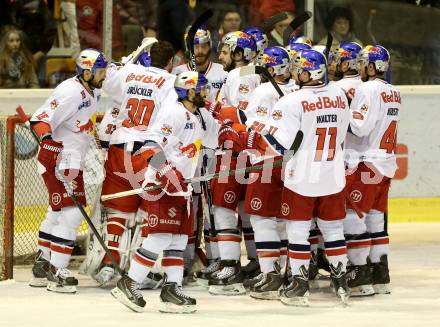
[(415, 298)]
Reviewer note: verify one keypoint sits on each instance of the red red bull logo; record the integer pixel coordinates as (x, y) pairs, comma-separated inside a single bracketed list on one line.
[(277, 115), (87, 62), (188, 151), (85, 128), (268, 59), (261, 111), (191, 82), (373, 49), (244, 35), (344, 53), (166, 129), (305, 63)]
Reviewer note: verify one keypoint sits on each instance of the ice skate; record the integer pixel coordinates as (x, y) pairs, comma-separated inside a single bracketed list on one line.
[(297, 292), (268, 287), (39, 271), (61, 280), (189, 279), (228, 280), (205, 274), (127, 292), (249, 283), (252, 269), (339, 282), (173, 300), (381, 276), (359, 281)]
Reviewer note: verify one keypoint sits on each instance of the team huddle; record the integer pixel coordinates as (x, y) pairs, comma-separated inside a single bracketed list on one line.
[(304, 167)]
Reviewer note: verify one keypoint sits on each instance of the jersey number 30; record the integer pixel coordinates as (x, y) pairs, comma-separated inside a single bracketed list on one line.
[(139, 113)]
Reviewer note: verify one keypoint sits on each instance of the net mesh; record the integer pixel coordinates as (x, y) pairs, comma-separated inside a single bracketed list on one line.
[(30, 201)]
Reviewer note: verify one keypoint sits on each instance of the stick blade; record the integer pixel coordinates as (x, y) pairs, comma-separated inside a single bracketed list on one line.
[(297, 22)]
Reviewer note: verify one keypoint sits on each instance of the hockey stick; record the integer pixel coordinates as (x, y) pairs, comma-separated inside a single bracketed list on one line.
[(260, 70), (71, 193), (297, 22), (328, 45), (293, 149), (269, 23), (201, 20)]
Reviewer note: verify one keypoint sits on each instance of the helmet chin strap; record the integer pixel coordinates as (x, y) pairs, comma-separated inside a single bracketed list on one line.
[(87, 82)]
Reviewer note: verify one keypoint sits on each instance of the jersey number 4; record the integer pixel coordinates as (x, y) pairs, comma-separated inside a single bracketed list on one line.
[(139, 113), (389, 138), (322, 135)]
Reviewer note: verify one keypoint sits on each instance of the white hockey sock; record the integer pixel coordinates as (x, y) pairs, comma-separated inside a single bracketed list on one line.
[(375, 222), (357, 238), (228, 236), (267, 241), (45, 233), (334, 242), (299, 246), (64, 235), (172, 264), (145, 257)]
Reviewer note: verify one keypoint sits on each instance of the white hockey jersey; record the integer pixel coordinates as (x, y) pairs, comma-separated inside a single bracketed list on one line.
[(322, 113), (215, 75), (68, 111), (349, 85), (181, 135), (141, 91), (237, 90), (375, 112), (261, 105)]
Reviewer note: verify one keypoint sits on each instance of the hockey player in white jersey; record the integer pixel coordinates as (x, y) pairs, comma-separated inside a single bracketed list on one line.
[(176, 137), (314, 179), (346, 59), (226, 196), (375, 111), (142, 91), (64, 126), (216, 76), (263, 194), (358, 275)]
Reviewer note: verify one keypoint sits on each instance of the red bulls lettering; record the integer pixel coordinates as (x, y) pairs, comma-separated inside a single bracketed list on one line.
[(323, 103), (393, 96)]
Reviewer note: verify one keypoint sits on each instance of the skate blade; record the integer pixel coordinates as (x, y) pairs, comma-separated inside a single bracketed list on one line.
[(363, 290), (269, 295), (168, 307), (120, 296), (38, 282), (55, 287), (382, 288), (297, 301), (231, 290)]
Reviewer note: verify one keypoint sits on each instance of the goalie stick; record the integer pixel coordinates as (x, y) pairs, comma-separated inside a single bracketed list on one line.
[(297, 22), (70, 192)]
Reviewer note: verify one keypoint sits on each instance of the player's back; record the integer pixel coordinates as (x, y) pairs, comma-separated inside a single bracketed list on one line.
[(349, 85), (375, 115), (143, 91), (322, 114)]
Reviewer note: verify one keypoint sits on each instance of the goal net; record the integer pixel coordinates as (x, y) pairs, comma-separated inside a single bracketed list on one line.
[(23, 195)]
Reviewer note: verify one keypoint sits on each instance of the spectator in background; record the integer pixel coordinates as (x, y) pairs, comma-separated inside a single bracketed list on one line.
[(17, 67), (173, 17), (138, 20), (90, 16), (276, 36), (231, 22), (340, 24)]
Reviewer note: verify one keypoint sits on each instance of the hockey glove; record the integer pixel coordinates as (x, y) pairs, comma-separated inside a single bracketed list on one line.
[(228, 138), (49, 151), (213, 107), (171, 179)]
